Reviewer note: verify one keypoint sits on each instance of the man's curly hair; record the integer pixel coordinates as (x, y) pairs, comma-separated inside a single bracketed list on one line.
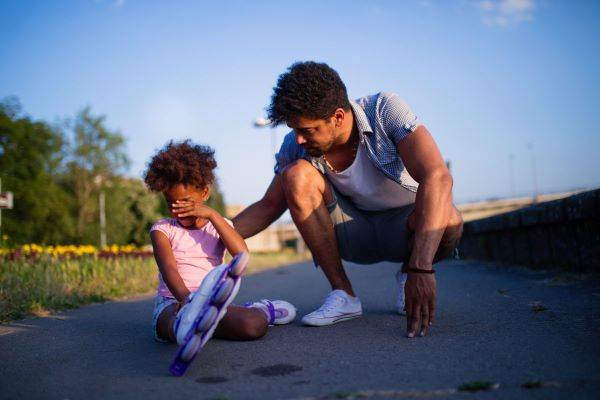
[(183, 163), (307, 89)]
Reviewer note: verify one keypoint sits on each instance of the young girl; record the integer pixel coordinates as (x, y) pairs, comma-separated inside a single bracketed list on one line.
[(192, 243)]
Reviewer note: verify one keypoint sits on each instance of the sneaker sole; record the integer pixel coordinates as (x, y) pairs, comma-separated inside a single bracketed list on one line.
[(202, 329), (332, 322), (289, 318)]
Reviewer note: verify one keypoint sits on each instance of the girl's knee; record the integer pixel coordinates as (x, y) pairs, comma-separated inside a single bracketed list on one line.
[(253, 327)]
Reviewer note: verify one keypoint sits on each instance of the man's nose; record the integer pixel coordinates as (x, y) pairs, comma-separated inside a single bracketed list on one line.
[(300, 139)]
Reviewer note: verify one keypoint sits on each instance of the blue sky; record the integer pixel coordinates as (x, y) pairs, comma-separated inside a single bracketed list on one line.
[(486, 77)]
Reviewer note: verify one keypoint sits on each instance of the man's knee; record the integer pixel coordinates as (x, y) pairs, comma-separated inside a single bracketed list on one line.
[(451, 237), (455, 225), (301, 180), (299, 177)]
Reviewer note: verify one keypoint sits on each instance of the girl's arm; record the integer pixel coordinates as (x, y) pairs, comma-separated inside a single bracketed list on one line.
[(163, 254), (232, 240)]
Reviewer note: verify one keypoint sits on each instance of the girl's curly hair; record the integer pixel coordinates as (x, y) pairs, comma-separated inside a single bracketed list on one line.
[(183, 163)]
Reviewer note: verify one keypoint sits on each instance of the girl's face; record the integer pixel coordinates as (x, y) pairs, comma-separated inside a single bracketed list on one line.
[(185, 192)]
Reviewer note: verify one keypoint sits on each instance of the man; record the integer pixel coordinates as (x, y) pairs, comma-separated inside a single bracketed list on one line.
[(365, 182)]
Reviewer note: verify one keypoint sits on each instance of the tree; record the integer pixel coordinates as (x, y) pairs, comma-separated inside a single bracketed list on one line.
[(97, 157), (131, 210), (56, 182), (31, 154), (216, 199)]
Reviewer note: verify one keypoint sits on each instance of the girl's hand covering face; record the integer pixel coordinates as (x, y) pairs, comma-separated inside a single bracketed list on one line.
[(191, 208)]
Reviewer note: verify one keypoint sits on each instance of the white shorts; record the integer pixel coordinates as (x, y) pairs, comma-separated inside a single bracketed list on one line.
[(160, 303)]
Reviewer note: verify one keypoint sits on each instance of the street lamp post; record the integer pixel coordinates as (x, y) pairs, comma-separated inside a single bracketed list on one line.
[(511, 171)]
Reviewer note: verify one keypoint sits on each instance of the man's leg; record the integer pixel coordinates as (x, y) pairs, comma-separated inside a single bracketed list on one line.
[(307, 194)]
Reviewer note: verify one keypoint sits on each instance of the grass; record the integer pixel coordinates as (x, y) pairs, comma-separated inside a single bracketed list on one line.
[(46, 284)]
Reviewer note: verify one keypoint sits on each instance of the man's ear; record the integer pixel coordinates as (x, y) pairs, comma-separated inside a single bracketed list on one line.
[(338, 117)]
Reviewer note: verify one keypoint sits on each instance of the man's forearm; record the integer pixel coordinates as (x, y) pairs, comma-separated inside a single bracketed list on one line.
[(433, 208), (256, 218)]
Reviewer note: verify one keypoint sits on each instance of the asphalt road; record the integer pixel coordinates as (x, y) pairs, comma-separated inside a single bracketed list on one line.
[(506, 326)]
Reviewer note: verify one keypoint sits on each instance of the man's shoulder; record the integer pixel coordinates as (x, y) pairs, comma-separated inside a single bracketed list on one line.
[(377, 100)]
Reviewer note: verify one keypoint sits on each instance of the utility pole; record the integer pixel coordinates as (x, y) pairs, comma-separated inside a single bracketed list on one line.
[(101, 208), (102, 220)]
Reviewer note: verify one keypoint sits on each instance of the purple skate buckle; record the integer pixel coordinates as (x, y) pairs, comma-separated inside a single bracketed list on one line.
[(271, 310)]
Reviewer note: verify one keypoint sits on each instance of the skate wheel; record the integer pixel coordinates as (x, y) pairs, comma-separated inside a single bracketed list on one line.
[(191, 348), (207, 319), (240, 262), (224, 291)]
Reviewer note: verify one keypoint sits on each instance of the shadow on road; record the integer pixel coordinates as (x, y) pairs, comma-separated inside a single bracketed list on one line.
[(496, 325)]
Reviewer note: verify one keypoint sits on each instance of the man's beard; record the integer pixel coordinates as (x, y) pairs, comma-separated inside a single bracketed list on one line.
[(318, 151), (314, 152)]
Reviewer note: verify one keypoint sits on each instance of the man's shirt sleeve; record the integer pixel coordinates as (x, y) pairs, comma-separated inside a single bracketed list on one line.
[(397, 118), (288, 152)]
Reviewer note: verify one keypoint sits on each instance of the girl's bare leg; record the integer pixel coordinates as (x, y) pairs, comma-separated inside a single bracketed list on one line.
[(240, 323)]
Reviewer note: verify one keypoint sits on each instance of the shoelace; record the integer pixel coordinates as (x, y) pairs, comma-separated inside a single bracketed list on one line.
[(330, 303)]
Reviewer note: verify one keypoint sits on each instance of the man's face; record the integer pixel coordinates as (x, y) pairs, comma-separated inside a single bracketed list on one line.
[(316, 136)]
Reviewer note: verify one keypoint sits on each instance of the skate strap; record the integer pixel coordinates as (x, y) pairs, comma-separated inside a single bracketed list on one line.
[(270, 309)]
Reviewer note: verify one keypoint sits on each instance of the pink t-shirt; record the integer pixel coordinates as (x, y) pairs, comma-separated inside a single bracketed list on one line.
[(196, 252)]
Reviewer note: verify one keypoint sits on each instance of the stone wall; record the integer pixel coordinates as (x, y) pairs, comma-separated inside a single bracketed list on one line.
[(562, 233)]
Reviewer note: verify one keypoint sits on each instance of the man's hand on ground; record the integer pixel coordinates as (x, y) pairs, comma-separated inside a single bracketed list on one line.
[(420, 292)]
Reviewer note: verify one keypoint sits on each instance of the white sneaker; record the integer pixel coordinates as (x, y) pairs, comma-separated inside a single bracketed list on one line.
[(401, 281), (338, 306), (278, 312)]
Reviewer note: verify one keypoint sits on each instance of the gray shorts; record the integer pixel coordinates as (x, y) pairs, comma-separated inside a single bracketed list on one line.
[(368, 237)]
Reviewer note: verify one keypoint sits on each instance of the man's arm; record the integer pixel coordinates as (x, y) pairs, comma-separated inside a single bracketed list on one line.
[(261, 214), (433, 207)]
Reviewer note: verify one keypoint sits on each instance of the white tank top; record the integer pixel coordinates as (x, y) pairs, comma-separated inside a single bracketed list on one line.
[(367, 187)]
